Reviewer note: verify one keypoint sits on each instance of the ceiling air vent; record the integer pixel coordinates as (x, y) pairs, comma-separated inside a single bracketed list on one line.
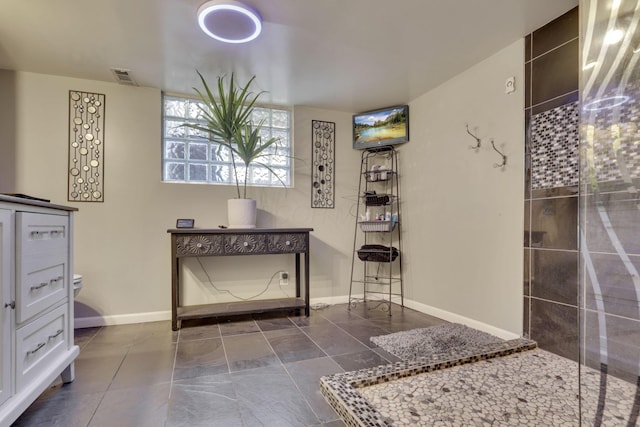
[(123, 76)]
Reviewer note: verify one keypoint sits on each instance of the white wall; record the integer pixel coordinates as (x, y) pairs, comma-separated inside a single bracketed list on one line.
[(463, 218), (121, 246)]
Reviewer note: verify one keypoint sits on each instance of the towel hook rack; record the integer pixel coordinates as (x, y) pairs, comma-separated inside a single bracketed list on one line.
[(477, 146), (504, 158)]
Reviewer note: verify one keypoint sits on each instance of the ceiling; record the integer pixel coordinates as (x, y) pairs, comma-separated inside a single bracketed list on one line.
[(348, 55)]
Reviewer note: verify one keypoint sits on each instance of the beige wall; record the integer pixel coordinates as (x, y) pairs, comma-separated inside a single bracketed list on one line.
[(7, 132), (463, 217), (121, 245)]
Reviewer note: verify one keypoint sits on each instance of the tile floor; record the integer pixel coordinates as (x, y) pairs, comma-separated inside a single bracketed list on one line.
[(248, 372)]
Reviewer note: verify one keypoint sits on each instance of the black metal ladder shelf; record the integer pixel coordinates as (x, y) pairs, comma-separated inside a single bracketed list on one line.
[(376, 265)]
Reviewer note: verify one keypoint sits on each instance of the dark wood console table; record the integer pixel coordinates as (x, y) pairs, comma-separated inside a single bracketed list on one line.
[(194, 242)]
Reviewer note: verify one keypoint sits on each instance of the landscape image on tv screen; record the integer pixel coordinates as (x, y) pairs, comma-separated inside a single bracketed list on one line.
[(381, 127)]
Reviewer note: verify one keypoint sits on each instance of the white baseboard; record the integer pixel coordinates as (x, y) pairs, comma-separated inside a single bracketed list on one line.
[(121, 319), (341, 299), (456, 318)]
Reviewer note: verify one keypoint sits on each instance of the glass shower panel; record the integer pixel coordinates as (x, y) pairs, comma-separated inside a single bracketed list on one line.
[(609, 227)]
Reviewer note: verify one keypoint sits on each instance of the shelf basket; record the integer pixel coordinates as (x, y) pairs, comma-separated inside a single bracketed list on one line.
[(378, 199), (377, 253), (378, 175), (377, 225)]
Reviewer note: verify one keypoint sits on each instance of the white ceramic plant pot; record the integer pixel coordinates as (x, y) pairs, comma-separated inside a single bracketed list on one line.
[(241, 213)]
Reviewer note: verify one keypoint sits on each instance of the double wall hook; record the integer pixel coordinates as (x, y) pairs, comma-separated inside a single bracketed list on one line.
[(477, 146), (504, 158)]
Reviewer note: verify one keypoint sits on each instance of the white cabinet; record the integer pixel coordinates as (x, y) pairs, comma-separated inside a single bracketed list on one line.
[(6, 245), (36, 301)]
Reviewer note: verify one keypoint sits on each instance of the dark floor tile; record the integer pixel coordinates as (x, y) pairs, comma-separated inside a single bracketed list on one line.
[(274, 324), (120, 335), (200, 358), (93, 373), (200, 332), (160, 329), (239, 328), (204, 402), (333, 340), (295, 347), (269, 397), (339, 313), (362, 330), (405, 320), (248, 351), (315, 318), (306, 374), (134, 407), (362, 360), (57, 410), (84, 335), (145, 365)]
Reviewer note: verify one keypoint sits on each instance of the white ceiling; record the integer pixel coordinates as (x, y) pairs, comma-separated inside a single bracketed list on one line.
[(349, 55)]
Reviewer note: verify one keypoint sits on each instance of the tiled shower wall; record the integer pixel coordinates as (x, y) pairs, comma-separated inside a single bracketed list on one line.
[(551, 186)]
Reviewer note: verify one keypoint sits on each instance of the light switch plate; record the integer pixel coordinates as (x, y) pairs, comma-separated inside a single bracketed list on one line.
[(510, 85)]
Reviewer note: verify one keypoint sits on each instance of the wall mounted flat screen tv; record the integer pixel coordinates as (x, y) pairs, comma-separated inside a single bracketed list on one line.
[(378, 128)]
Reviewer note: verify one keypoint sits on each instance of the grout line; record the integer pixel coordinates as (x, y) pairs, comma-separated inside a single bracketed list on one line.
[(553, 99), (104, 394), (550, 50), (173, 368)]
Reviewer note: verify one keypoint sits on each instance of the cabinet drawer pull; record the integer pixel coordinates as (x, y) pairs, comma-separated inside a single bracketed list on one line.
[(245, 244), (38, 347), (40, 286), (58, 332), (288, 243)]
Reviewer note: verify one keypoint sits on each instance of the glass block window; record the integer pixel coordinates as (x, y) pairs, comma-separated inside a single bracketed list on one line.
[(188, 156)]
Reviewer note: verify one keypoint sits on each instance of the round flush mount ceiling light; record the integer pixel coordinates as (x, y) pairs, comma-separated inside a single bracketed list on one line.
[(229, 21)]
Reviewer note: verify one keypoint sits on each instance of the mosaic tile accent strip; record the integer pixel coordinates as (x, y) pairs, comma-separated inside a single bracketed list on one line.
[(86, 147), (554, 147), (323, 138), (341, 390)]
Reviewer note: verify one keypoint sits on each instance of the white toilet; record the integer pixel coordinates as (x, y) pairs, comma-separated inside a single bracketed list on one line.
[(77, 284)]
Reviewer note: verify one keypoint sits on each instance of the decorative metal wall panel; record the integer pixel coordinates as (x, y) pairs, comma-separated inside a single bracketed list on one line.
[(323, 139), (86, 147)]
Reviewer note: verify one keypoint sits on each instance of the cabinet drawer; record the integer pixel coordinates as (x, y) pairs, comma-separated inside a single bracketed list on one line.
[(239, 244), (42, 276), (285, 243), (38, 343)]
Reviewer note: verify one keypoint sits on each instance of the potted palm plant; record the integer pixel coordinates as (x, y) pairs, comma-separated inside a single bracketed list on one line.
[(227, 120)]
